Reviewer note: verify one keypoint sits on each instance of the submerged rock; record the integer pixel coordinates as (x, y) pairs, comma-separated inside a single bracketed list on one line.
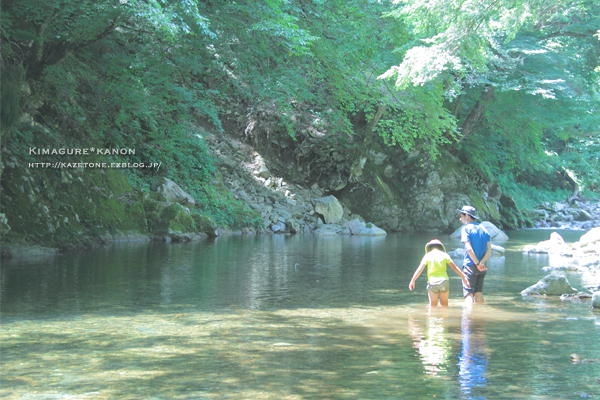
[(552, 285)]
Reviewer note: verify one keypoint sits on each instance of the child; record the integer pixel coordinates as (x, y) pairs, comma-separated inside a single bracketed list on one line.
[(436, 259)]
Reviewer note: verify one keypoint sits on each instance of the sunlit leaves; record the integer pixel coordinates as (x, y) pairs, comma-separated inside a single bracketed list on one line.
[(417, 118)]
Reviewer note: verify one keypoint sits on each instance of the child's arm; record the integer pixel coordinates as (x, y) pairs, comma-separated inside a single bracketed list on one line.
[(420, 269), (460, 273)]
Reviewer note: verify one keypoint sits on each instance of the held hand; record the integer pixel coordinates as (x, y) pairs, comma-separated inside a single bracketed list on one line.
[(466, 282), (481, 267)]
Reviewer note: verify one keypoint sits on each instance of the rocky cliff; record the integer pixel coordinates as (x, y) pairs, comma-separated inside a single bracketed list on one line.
[(280, 180)]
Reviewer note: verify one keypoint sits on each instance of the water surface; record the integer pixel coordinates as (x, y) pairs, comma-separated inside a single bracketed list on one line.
[(287, 317)]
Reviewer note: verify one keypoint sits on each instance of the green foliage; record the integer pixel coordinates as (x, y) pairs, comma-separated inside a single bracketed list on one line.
[(418, 118), (11, 79), (143, 74), (226, 210)]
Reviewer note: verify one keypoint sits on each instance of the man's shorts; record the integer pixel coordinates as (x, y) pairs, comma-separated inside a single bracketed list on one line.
[(440, 288), (476, 282)]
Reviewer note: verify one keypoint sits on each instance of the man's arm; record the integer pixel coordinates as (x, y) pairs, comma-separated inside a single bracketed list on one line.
[(469, 250), (486, 256)]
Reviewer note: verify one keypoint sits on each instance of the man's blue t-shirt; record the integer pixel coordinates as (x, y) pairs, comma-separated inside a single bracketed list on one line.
[(479, 238)]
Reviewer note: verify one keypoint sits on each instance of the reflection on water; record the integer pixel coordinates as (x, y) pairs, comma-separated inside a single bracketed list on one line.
[(285, 317), (432, 344), (472, 361)]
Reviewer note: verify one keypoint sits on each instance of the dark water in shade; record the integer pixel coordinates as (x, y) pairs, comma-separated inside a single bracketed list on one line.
[(287, 317)]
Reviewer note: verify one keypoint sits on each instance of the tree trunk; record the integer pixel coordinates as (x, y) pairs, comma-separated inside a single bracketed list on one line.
[(476, 114), (371, 125)]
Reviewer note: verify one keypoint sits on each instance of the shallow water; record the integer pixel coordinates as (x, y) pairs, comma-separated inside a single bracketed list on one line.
[(287, 317)]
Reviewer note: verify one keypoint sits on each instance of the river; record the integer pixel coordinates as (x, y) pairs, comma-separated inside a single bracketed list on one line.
[(287, 317)]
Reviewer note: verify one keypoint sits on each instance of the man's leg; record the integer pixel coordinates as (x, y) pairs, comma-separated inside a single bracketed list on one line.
[(479, 289), (479, 297), (469, 292)]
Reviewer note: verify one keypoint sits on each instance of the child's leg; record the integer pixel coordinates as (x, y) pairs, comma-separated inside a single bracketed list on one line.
[(444, 298), (433, 299)]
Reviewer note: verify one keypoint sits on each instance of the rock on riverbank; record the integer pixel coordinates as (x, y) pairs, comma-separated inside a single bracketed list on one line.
[(578, 214), (284, 207), (581, 257)]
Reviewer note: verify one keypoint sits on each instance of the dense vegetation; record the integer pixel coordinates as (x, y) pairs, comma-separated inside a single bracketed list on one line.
[(509, 86)]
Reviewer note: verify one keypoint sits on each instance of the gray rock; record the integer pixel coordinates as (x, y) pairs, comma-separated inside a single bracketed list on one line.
[(355, 226), (596, 300), (388, 171), (292, 226), (590, 238), (555, 245), (496, 235), (457, 253), (371, 230), (264, 172), (173, 192), (590, 280), (358, 217), (584, 216), (284, 213), (328, 230), (278, 227), (553, 285), (559, 207), (498, 251), (330, 208), (378, 158)]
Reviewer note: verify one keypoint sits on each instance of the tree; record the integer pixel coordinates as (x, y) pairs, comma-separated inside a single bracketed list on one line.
[(483, 51)]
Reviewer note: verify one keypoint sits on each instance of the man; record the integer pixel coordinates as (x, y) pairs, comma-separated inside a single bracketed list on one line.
[(478, 249)]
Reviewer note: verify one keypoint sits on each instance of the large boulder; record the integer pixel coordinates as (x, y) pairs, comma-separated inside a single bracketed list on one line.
[(330, 208), (555, 245), (596, 300), (355, 226), (553, 285), (278, 227), (497, 251), (172, 192), (496, 235), (590, 238)]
